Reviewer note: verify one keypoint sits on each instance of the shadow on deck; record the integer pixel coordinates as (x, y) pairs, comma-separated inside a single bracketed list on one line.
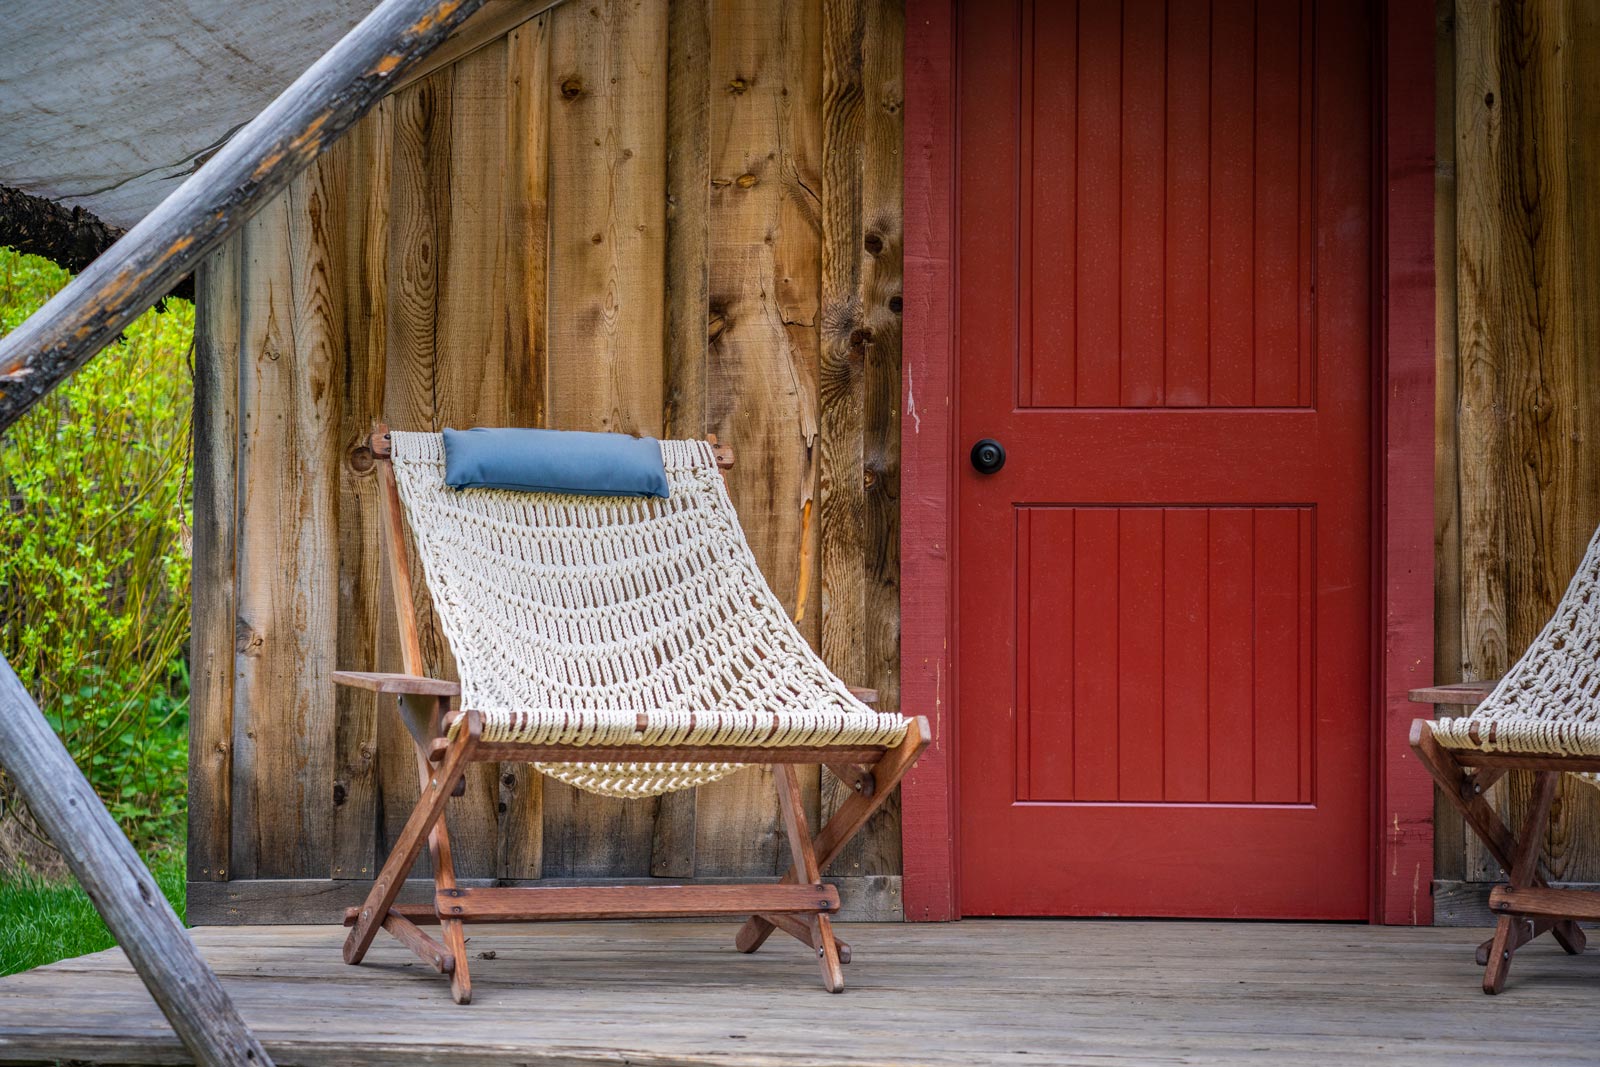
[(989, 992)]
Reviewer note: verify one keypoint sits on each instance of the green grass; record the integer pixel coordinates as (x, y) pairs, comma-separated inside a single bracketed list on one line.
[(43, 921)]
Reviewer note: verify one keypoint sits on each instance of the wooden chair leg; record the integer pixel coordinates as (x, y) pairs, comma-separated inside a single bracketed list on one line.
[(452, 931), (1522, 872), (430, 806), (848, 820), (804, 856)]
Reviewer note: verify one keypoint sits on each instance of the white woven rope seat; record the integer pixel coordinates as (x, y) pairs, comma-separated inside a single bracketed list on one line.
[(620, 621), (1549, 701)]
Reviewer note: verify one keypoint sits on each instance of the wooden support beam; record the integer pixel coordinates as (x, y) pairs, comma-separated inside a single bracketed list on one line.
[(120, 886), (255, 164)]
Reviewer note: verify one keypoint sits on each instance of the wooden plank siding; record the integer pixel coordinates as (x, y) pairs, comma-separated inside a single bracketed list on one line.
[(1518, 471), (615, 216)]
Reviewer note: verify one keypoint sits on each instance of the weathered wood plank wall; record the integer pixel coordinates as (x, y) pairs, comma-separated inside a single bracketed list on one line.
[(618, 216), (1518, 490)]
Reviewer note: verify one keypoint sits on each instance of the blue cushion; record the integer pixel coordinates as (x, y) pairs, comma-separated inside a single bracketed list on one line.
[(554, 461)]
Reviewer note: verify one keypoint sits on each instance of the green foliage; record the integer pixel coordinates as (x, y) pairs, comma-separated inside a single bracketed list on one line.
[(42, 921), (94, 562)]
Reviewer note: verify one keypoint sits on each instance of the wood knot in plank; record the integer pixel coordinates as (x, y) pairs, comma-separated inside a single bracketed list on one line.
[(571, 87), (360, 459), (874, 243), (739, 86), (246, 640), (746, 181)]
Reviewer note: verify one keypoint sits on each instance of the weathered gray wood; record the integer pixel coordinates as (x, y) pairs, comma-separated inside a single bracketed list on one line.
[(213, 607), (1112, 994), (1462, 903), (119, 885), (251, 168), (273, 901)]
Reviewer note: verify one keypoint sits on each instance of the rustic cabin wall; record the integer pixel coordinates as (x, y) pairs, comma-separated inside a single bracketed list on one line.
[(621, 215), (1518, 476)]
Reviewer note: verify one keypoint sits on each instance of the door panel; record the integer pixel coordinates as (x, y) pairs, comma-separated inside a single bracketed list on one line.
[(1164, 595)]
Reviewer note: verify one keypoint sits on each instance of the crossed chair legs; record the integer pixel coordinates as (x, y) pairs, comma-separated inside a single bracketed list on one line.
[(800, 905), (1526, 907)]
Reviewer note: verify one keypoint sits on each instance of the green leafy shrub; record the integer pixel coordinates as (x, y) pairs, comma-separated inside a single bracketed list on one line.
[(94, 562)]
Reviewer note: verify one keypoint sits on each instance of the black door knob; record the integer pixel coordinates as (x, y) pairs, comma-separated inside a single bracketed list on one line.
[(988, 456)]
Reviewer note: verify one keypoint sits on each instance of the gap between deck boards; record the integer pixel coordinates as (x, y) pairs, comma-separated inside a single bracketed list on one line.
[(275, 901)]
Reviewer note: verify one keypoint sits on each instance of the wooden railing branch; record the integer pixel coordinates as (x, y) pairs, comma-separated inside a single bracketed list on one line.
[(256, 163), (122, 889)]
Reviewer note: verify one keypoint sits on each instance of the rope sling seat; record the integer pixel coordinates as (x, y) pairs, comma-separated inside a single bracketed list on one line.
[(1549, 701), (589, 620)]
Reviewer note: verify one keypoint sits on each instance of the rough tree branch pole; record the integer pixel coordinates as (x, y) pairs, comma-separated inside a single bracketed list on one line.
[(63, 335), (256, 162)]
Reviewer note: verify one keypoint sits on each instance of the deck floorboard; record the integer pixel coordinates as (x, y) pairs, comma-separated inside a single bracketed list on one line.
[(977, 992)]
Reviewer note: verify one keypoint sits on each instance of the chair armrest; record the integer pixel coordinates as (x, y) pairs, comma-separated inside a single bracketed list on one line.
[(1468, 694), (866, 696), (397, 683)]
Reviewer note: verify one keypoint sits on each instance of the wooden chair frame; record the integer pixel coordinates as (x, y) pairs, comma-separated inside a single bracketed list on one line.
[(800, 904), (1527, 905)]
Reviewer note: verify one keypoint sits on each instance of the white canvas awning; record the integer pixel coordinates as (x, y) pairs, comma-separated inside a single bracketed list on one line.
[(109, 104)]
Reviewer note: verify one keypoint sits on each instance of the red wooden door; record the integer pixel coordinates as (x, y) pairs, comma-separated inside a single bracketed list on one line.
[(1165, 633)]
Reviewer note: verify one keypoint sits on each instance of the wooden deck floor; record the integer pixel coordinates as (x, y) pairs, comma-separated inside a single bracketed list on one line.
[(1103, 993)]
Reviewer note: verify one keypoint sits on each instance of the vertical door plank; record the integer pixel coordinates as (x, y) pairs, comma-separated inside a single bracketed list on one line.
[(1278, 121), (1188, 217), (1094, 649), (1140, 578), (1230, 584), (1277, 642), (1045, 588), (759, 374), (608, 72), (1232, 310), (363, 219), (1050, 279), (1143, 203), (1099, 202), (1185, 610), (520, 801), (213, 615)]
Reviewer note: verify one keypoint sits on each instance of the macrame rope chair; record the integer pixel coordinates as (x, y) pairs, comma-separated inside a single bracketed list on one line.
[(1544, 717), (628, 646)]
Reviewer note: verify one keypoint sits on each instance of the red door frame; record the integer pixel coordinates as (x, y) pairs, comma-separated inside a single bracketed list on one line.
[(1403, 339)]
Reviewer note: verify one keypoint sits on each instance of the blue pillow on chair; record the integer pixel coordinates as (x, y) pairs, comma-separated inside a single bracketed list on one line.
[(554, 461)]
